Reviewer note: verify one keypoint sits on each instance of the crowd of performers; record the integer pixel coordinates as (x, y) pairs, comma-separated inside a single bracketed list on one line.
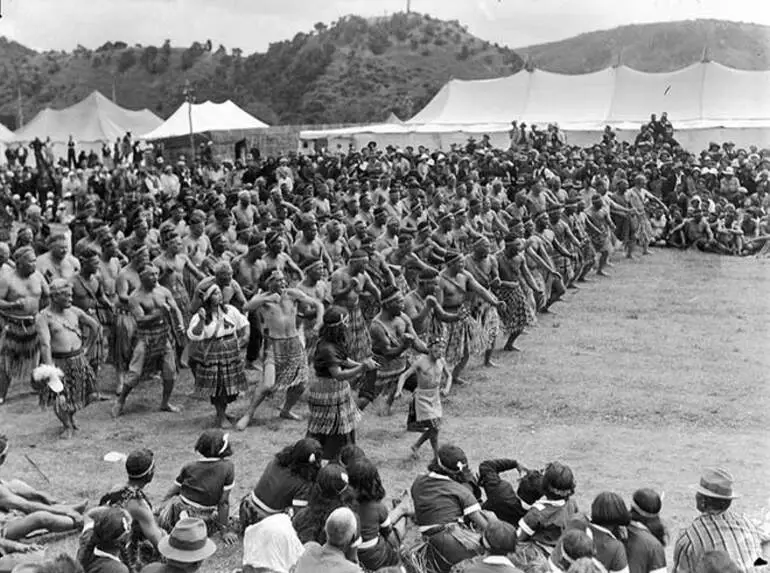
[(340, 276), (343, 278)]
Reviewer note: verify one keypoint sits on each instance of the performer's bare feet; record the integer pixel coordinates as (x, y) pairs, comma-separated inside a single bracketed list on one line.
[(511, 348), (117, 409), (415, 453), (459, 381), (289, 415), (67, 433), (170, 408), (602, 274), (490, 364), (243, 423)]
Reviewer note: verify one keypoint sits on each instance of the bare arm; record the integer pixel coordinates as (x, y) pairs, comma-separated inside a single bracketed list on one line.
[(402, 379), (474, 286)]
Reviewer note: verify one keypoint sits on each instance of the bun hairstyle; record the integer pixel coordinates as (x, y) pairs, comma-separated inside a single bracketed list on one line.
[(214, 444), (110, 529)]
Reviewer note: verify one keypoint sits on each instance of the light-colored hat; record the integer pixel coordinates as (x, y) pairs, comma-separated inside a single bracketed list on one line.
[(716, 483), (188, 542)]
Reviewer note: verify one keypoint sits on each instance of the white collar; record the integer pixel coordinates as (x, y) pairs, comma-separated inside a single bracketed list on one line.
[(99, 553), (603, 530), (497, 560), (555, 502), (434, 475)]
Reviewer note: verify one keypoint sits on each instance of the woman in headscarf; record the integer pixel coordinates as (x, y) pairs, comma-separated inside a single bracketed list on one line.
[(447, 512), (271, 546), (218, 332), (333, 410)]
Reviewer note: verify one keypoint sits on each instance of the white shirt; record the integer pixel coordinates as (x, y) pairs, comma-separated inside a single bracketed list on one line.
[(227, 323)]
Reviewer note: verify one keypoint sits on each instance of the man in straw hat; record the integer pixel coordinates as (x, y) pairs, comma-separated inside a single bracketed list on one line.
[(152, 306), (717, 528), (284, 360), (185, 549), (63, 345), (23, 293)]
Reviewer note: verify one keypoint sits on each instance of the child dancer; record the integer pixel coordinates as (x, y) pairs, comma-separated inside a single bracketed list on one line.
[(425, 410)]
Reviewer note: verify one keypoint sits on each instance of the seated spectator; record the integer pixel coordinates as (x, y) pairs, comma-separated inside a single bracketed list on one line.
[(381, 530), (101, 546), (607, 527), (645, 544), (499, 541), (545, 521), (271, 546), (24, 510), (716, 562), (141, 547), (285, 483), (330, 491), (62, 563), (338, 553), (717, 528), (574, 546), (444, 504), (506, 503), (185, 549), (202, 488)]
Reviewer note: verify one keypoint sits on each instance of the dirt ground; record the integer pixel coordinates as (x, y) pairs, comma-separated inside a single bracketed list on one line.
[(637, 380)]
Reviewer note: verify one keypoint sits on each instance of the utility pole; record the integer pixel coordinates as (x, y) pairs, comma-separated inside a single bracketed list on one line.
[(114, 82), (20, 108), (408, 6), (189, 96)]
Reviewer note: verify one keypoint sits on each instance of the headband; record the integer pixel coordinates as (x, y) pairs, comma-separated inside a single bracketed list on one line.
[(344, 478), (225, 444), (275, 274), (426, 279), (311, 459), (5, 449), (561, 492), (640, 511), (148, 269), (344, 319), (59, 285), (210, 291), (391, 298), (460, 465), (145, 472), (314, 264), (357, 259)]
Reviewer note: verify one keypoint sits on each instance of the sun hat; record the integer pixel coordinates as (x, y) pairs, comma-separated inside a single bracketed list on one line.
[(188, 542), (716, 483)]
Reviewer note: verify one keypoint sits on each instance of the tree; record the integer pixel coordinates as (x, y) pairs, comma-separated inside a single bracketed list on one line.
[(126, 60), (319, 27), (237, 53)]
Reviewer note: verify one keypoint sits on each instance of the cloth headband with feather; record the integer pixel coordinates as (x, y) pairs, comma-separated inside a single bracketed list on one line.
[(145, 473)]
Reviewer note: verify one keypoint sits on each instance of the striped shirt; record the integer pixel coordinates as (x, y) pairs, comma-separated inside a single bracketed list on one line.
[(726, 531)]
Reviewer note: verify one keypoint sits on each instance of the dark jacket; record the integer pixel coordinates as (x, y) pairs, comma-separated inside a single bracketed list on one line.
[(501, 495)]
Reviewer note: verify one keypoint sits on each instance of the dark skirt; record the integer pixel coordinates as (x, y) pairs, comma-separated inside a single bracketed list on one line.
[(19, 349), (514, 316), (333, 443), (123, 339), (79, 383), (218, 368), (384, 554)]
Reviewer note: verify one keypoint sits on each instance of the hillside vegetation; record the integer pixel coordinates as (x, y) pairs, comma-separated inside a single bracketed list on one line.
[(355, 70), (658, 47)]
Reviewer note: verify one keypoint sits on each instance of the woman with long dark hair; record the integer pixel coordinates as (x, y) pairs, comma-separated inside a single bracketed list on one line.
[(647, 536), (381, 530), (333, 410), (331, 491), (285, 483)]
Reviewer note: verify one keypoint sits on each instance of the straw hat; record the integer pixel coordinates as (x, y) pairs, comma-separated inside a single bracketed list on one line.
[(188, 542)]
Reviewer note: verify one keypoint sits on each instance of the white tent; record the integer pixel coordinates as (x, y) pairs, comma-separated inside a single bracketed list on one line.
[(704, 101), (206, 117), (91, 122)]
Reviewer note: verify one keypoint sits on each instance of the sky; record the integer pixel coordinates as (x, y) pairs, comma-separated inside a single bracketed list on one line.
[(253, 24)]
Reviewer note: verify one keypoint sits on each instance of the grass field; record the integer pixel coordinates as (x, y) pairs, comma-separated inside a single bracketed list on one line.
[(638, 380)]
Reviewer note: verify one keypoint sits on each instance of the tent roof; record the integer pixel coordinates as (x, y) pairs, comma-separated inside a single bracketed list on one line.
[(5, 133), (702, 95), (92, 119), (206, 116)]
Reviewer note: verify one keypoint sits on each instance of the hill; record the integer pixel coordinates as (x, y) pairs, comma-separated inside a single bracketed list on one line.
[(355, 70), (659, 47)]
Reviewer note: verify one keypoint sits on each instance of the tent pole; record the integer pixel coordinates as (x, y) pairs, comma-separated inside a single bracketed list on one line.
[(188, 95)]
